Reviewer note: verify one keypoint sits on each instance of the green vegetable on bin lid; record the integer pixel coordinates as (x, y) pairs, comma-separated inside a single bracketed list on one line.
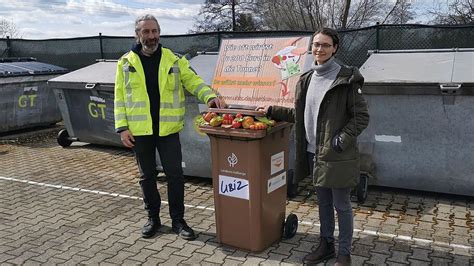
[(200, 121), (216, 121), (265, 120)]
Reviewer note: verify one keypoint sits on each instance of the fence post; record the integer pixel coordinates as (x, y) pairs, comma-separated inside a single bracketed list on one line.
[(101, 48), (9, 47), (377, 42), (218, 39)]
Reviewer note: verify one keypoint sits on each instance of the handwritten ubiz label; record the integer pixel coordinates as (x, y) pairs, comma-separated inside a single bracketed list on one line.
[(234, 187)]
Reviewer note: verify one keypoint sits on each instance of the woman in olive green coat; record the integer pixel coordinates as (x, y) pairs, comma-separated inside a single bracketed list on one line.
[(329, 114)]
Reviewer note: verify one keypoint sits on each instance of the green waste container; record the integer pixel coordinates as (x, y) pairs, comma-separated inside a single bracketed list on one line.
[(25, 99)]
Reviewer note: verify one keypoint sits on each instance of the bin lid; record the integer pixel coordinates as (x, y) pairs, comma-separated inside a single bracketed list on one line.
[(102, 73), (13, 68), (430, 66), (16, 59), (204, 65)]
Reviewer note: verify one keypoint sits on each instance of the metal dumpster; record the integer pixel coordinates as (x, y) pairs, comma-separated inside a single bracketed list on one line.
[(86, 100), (25, 99), (421, 108)]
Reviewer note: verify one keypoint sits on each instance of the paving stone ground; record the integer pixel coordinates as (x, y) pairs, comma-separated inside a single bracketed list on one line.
[(82, 205)]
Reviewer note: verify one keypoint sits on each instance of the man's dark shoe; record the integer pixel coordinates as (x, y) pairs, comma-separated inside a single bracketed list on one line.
[(324, 252), (343, 260), (183, 230), (151, 227)]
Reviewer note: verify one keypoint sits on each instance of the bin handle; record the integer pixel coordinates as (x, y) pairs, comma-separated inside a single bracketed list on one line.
[(90, 85), (449, 88)]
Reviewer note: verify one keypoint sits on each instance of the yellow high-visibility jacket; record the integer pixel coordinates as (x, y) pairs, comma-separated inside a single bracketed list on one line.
[(131, 102)]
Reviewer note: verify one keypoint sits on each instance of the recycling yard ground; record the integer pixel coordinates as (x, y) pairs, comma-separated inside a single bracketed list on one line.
[(83, 204)]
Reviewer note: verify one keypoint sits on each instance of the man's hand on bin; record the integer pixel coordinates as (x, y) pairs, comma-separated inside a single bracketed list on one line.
[(216, 103), (263, 109), (127, 138)]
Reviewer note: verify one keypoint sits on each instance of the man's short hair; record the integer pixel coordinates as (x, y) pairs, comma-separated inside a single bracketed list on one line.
[(143, 18)]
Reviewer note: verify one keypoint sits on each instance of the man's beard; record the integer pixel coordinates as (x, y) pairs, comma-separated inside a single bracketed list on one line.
[(149, 46)]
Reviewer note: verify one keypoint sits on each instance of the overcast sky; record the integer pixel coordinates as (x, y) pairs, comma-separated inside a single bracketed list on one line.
[(43, 19)]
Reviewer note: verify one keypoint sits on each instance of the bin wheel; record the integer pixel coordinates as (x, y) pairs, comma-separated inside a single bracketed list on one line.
[(63, 138), (362, 188), (291, 226), (292, 187)]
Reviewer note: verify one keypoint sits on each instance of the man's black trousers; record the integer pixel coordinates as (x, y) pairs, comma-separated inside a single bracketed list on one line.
[(169, 149)]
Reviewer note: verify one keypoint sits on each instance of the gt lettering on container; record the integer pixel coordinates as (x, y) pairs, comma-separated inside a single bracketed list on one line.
[(26, 100), (97, 109)]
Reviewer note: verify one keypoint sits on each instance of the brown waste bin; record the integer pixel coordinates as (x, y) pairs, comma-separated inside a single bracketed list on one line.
[(249, 175)]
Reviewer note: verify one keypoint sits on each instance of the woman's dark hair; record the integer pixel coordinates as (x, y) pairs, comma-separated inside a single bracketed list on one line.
[(331, 33)]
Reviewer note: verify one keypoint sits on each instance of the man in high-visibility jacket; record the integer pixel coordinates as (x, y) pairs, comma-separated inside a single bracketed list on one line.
[(149, 113)]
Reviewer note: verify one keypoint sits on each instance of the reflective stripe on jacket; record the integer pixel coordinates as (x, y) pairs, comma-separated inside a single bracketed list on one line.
[(131, 102)]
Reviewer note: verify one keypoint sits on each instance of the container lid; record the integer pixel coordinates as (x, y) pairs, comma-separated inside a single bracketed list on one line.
[(241, 133), (12, 67), (430, 66), (98, 73), (204, 65), (16, 59)]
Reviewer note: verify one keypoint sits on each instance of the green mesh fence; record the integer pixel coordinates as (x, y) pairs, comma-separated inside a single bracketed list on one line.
[(424, 37), (114, 47), (3, 48), (355, 44), (69, 53), (192, 43), (76, 53)]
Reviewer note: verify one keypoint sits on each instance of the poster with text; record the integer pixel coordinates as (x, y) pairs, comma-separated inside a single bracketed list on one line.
[(260, 72)]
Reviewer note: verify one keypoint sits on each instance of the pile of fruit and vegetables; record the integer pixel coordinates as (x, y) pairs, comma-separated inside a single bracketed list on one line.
[(236, 121)]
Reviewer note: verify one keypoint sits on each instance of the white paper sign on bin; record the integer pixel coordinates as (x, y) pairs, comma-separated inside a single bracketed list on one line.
[(276, 182), (233, 187), (277, 162)]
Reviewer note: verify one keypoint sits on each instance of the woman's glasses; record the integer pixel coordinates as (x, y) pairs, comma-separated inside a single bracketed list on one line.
[(317, 45)]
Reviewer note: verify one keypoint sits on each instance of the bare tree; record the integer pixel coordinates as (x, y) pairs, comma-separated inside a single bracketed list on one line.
[(453, 12), (313, 14), (400, 13), (292, 14), (347, 6), (302, 14), (365, 13), (9, 29), (277, 17), (226, 15)]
